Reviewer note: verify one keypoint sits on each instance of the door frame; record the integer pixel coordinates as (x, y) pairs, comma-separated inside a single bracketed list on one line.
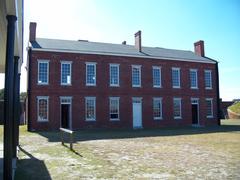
[(140, 100), (66, 100), (195, 101)]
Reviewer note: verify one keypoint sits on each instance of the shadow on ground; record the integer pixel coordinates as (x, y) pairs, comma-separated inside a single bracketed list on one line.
[(86, 135), (38, 169)]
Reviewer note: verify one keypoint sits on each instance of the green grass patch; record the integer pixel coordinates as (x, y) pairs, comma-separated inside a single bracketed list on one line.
[(235, 107)]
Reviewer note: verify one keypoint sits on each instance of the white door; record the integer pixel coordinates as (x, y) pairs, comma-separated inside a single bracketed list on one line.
[(137, 113)]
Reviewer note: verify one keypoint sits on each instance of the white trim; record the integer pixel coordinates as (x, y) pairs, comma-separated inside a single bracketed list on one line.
[(211, 100), (196, 73), (40, 98), (123, 55), (114, 65), (95, 73), (160, 99), (94, 99), (43, 61), (210, 71), (140, 75), (70, 63), (160, 72), (114, 98), (179, 77), (178, 99)]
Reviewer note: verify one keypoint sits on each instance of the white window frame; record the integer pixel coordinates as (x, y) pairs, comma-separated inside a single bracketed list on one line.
[(38, 99), (118, 99), (94, 99), (160, 74), (95, 73), (178, 99), (179, 77), (158, 99), (140, 75), (211, 100), (208, 71), (196, 73), (70, 63), (47, 62), (114, 65)]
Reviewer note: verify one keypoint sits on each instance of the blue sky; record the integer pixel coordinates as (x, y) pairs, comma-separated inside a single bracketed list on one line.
[(175, 24)]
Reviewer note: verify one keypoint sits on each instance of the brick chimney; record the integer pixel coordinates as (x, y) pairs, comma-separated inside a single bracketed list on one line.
[(32, 31), (138, 41), (199, 48)]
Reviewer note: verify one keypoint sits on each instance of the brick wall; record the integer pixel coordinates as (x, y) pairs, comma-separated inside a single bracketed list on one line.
[(78, 90)]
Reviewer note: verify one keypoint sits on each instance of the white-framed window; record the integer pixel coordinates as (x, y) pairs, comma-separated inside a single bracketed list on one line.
[(66, 72), (43, 72), (209, 106), (42, 108), (177, 108), (136, 75), (156, 70), (157, 108), (90, 108), (114, 74), (193, 79), (176, 77), (114, 108), (91, 74), (208, 79)]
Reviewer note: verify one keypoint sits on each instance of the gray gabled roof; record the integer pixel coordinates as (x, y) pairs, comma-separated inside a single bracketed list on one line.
[(115, 49)]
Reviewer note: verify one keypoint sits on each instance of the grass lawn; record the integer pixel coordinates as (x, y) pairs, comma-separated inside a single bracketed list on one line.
[(235, 108), (183, 153)]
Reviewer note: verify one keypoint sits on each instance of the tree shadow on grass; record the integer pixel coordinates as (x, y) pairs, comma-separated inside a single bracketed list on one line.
[(97, 134), (31, 168)]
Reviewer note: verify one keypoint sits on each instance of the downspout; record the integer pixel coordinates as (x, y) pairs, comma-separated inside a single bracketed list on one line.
[(29, 127), (218, 96)]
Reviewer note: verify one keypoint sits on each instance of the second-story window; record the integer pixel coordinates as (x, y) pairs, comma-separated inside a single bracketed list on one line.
[(66, 72), (208, 79), (43, 71), (156, 76), (176, 77), (91, 74), (114, 74), (136, 76), (193, 79)]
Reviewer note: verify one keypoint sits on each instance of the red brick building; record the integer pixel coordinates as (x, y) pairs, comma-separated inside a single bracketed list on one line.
[(82, 84)]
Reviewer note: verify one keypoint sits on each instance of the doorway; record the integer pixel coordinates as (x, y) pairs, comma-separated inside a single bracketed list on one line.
[(195, 111), (137, 112), (66, 112)]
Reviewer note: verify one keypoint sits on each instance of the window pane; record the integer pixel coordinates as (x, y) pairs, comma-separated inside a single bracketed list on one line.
[(114, 108), (157, 108), (91, 78), (156, 77), (114, 75), (66, 74), (177, 108), (136, 76), (42, 109), (176, 77), (209, 108), (90, 109), (43, 72), (208, 79), (193, 79)]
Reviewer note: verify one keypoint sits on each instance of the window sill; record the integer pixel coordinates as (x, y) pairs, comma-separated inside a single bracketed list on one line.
[(42, 121), (90, 120), (157, 86), (137, 86), (178, 118), (158, 119), (194, 88), (43, 84), (62, 84), (176, 87), (114, 119), (209, 117), (112, 85), (208, 88), (91, 85)]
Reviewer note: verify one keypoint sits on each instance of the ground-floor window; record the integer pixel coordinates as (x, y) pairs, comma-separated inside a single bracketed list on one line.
[(157, 108), (209, 105), (114, 108), (177, 111), (90, 108), (42, 108)]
